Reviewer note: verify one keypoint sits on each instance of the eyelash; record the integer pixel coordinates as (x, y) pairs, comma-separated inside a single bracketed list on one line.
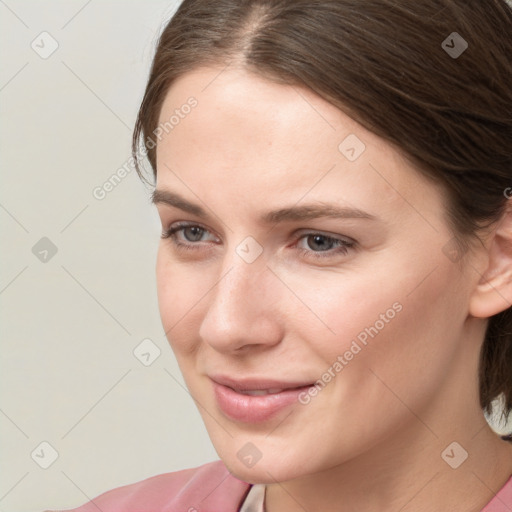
[(343, 248)]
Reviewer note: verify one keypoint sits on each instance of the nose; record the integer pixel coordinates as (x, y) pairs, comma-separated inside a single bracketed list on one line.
[(244, 308)]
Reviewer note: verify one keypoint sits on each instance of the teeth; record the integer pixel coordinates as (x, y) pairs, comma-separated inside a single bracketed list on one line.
[(259, 392)]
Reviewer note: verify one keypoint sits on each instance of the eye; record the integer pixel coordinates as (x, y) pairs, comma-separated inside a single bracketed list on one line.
[(191, 233), (186, 236), (324, 246)]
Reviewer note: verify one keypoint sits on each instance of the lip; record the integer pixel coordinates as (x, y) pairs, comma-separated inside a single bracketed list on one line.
[(250, 408)]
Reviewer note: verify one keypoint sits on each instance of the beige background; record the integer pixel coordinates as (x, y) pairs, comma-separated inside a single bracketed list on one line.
[(70, 323)]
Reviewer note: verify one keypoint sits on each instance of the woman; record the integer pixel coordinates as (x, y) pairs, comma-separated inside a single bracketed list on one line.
[(334, 275)]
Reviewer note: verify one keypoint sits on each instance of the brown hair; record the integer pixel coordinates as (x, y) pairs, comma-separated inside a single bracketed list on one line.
[(389, 64)]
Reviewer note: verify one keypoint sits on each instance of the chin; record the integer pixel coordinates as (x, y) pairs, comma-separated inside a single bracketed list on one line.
[(261, 473), (270, 465)]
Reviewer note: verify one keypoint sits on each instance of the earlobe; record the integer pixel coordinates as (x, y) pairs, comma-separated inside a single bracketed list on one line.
[(493, 292)]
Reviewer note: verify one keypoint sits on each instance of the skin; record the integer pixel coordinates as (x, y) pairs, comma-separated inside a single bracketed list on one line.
[(372, 438)]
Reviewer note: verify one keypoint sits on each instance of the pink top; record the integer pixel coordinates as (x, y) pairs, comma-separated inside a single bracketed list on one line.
[(208, 488)]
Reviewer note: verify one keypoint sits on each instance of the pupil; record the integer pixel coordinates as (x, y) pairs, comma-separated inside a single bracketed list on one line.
[(196, 233), (320, 240)]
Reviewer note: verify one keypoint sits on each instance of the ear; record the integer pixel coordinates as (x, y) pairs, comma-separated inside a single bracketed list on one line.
[(493, 292)]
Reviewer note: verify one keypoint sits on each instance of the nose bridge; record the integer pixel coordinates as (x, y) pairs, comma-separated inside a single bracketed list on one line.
[(234, 291), (238, 309)]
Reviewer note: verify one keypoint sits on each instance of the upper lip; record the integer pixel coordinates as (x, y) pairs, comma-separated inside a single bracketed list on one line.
[(252, 384)]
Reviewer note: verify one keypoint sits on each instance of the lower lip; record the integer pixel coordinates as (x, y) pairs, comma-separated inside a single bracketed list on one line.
[(252, 409)]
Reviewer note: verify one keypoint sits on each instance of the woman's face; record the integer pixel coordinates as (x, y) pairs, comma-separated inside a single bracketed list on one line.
[(308, 250)]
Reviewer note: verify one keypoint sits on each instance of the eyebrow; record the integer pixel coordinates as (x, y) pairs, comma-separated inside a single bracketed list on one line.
[(294, 213)]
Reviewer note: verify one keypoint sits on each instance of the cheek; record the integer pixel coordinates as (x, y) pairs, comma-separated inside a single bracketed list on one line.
[(340, 308), (395, 338), (178, 291), (408, 293)]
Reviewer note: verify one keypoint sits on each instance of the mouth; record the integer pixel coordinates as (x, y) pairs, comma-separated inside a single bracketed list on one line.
[(259, 392), (255, 400)]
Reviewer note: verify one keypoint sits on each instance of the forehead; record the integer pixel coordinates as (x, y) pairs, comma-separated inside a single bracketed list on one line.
[(233, 102), (251, 136)]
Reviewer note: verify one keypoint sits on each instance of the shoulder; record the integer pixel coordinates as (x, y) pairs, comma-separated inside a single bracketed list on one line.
[(207, 488), (502, 502)]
